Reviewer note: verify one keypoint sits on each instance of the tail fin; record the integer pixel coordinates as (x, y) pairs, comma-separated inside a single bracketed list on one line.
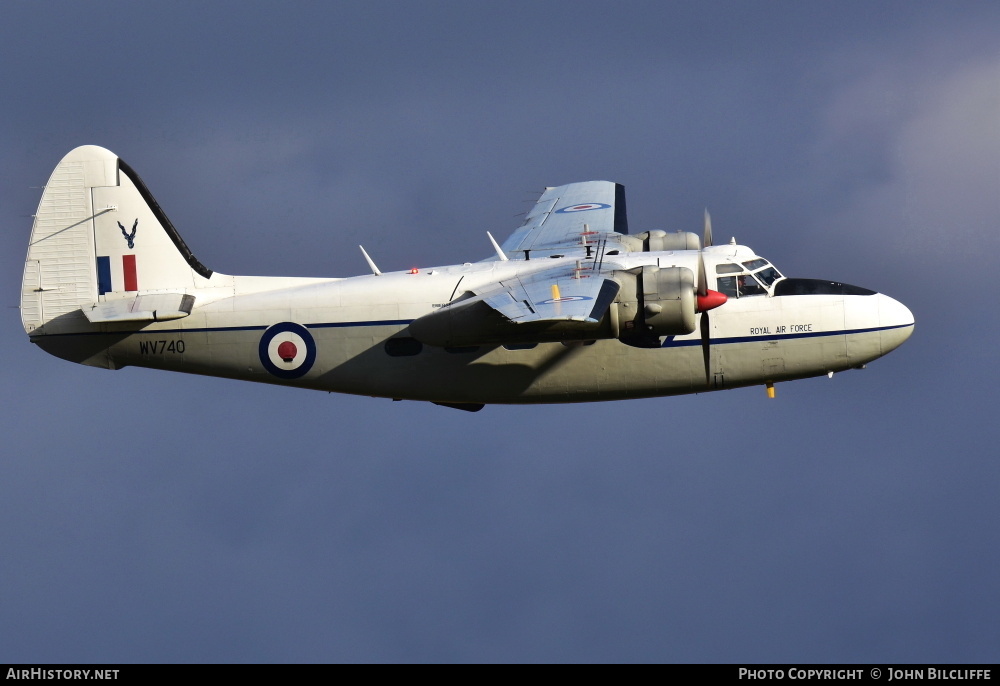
[(99, 236)]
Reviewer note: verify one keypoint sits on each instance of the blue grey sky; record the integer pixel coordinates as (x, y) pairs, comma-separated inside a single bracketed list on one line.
[(146, 516)]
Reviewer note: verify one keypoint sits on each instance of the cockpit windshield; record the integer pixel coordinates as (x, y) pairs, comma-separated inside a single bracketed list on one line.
[(767, 275), (753, 277)]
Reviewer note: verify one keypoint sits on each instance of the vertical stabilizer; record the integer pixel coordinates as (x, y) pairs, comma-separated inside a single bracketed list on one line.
[(99, 236)]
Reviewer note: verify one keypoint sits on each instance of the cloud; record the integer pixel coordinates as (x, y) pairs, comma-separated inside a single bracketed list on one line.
[(919, 153)]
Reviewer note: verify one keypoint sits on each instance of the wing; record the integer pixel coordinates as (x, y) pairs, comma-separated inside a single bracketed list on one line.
[(569, 215), (566, 302), (562, 303), (561, 294)]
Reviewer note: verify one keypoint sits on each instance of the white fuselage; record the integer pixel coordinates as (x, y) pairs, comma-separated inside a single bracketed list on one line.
[(350, 335)]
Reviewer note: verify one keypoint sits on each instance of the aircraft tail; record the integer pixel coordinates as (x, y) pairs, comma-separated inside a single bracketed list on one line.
[(99, 241)]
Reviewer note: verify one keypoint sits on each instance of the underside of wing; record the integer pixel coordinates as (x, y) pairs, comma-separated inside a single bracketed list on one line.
[(565, 294), (570, 215)]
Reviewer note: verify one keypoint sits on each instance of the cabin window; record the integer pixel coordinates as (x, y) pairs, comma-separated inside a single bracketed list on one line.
[(403, 347)]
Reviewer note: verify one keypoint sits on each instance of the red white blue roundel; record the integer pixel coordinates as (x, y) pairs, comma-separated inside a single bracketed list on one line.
[(287, 350), (583, 207)]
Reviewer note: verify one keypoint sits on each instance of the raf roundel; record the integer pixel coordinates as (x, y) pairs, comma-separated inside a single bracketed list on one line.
[(287, 350), (583, 207)]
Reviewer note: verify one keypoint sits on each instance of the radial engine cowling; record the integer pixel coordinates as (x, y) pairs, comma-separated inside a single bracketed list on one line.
[(662, 303)]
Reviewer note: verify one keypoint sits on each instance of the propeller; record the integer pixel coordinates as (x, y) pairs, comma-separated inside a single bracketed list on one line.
[(707, 300)]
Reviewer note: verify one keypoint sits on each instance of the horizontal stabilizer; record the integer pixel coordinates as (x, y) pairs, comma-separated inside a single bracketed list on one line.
[(152, 307)]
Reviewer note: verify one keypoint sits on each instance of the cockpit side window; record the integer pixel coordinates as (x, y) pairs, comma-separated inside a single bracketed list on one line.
[(741, 286), (748, 285), (727, 284)]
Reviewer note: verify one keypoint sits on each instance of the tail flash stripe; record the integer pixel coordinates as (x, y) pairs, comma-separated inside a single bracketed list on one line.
[(103, 275), (128, 267)]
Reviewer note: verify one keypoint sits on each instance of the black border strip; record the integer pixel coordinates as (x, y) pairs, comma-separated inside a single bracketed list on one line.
[(621, 216), (164, 221)]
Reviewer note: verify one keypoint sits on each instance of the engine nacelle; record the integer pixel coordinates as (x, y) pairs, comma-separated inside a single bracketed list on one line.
[(656, 302), (660, 241)]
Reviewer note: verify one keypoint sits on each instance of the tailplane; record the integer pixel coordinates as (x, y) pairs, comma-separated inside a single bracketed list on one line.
[(99, 240)]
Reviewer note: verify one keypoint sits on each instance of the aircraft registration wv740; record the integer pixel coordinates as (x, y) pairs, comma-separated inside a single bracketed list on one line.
[(572, 308)]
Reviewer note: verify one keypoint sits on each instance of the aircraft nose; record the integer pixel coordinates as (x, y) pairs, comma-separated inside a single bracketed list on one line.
[(895, 322)]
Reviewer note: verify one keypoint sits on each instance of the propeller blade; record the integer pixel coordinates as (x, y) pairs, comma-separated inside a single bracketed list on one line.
[(702, 278), (707, 300), (706, 347)]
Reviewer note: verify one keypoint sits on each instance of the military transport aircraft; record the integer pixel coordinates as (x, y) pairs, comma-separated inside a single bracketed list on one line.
[(572, 308)]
